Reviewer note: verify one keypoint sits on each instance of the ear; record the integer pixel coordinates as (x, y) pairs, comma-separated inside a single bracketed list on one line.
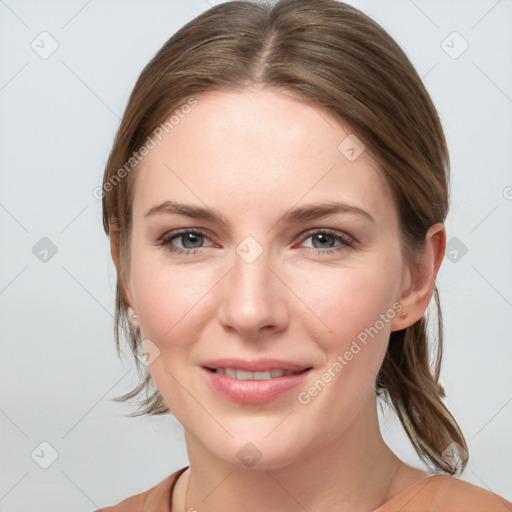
[(419, 280), (115, 252)]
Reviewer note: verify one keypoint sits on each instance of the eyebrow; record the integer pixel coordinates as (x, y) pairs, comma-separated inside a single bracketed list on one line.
[(298, 214)]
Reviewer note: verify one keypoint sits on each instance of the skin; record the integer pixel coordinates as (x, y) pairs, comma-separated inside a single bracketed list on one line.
[(251, 156)]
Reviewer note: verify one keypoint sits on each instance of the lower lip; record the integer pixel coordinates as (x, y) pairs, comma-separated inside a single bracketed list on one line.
[(253, 391)]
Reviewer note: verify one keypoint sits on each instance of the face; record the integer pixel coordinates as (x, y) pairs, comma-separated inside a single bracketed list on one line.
[(266, 276)]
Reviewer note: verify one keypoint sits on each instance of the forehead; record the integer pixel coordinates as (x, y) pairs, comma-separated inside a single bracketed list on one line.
[(259, 150)]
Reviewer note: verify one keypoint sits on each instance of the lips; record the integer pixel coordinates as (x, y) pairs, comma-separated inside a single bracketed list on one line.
[(235, 373), (259, 365), (251, 382)]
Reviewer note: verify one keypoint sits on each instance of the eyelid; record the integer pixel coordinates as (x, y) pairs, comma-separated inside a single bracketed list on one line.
[(333, 232), (305, 234), (176, 233), (347, 241)]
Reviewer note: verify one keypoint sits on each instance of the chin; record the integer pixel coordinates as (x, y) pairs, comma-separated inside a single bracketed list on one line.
[(260, 453)]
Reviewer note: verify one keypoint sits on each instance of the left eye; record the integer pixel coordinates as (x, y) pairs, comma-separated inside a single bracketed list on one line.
[(192, 241), (328, 238)]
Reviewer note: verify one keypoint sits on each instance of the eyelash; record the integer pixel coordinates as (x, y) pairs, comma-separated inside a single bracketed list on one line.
[(166, 241)]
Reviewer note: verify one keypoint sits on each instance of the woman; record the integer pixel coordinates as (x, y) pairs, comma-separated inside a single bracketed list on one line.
[(255, 136)]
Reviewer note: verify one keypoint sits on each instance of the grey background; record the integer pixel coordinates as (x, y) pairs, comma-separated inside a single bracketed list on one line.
[(59, 368)]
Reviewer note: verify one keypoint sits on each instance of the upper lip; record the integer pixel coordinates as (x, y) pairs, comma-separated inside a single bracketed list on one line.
[(259, 365)]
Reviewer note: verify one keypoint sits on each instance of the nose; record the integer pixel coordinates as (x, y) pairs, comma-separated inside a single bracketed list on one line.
[(253, 298)]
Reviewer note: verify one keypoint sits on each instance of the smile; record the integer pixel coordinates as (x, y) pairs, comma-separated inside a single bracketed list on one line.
[(253, 387), (236, 373)]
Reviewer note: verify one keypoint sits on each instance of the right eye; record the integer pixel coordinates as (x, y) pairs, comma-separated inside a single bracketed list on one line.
[(187, 238)]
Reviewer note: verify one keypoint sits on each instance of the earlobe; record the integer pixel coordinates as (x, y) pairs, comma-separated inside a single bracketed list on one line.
[(419, 287), (132, 316)]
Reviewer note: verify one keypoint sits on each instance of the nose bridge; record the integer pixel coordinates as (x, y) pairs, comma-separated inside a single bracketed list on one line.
[(251, 300)]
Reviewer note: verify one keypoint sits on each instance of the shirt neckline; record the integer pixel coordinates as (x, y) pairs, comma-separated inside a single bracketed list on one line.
[(378, 509)]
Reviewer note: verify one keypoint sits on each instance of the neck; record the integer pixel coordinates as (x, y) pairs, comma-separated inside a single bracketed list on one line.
[(355, 471)]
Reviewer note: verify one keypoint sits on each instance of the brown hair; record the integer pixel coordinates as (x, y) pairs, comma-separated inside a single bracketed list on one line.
[(332, 56)]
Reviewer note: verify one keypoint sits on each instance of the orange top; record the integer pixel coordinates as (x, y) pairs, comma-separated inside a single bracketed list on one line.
[(436, 493)]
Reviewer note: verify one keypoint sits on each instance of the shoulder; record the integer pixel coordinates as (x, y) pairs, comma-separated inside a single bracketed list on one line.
[(444, 493), (155, 499), (459, 495)]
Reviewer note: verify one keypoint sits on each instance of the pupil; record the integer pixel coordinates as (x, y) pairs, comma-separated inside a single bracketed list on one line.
[(191, 238), (323, 236)]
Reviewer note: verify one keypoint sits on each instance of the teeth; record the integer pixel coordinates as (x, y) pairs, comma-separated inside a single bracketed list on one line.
[(245, 375)]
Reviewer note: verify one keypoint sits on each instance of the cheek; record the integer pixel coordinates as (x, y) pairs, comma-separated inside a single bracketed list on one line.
[(174, 301), (171, 305), (357, 305), (167, 300), (347, 302)]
